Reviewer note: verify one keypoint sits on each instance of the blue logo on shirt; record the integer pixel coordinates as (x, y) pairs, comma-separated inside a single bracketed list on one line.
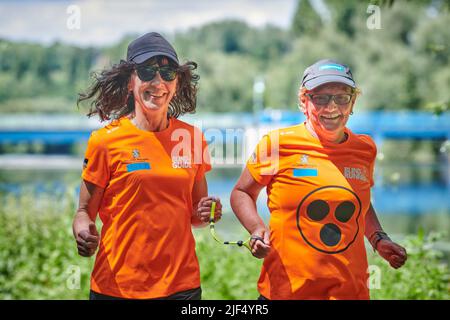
[(138, 166), (305, 172)]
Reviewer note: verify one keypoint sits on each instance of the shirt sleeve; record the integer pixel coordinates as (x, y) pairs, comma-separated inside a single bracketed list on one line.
[(373, 156), (262, 164), (372, 164), (96, 163), (205, 163)]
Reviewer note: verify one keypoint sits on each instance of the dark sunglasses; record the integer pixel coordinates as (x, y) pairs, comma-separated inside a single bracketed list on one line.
[(324, 99), (148, 72)]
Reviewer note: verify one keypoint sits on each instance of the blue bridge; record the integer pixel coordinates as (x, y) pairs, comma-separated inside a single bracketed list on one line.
[(67, 130), (62, 131)]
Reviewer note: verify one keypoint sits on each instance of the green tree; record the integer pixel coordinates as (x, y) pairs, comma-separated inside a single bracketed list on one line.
[(343, 12), (306, 19)]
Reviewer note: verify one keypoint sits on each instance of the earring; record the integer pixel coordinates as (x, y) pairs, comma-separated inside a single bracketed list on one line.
[(351, 113)]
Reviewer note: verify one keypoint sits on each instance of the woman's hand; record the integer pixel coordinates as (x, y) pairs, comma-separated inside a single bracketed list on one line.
[(204, 209), (87, 241), (83, 227), (260, 243), (391, 252)]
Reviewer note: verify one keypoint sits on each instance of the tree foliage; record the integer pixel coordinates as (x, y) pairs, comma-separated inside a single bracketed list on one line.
[(402, 65)]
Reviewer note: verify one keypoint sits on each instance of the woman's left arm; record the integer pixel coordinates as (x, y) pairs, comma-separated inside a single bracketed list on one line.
[(386, 248), (201, 204)]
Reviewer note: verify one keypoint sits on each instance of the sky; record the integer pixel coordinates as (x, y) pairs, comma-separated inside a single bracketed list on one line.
[(103, 22)]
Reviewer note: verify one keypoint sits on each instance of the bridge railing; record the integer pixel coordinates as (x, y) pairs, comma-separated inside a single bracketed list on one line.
[(64, 129)]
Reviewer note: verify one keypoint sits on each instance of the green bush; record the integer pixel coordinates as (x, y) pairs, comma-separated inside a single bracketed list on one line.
[(424, 276), (38, 256), (37, 252), (227, 272)]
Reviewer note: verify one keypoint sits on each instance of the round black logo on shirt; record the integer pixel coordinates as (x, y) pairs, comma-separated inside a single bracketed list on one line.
[(328, 218)]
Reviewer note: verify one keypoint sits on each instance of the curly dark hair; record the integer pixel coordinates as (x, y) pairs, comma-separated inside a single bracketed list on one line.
[(112, 99)]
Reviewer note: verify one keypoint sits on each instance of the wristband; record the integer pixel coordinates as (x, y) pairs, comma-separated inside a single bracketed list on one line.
[(376, 237)]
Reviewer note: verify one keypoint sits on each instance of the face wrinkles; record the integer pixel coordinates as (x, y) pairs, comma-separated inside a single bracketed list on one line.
[(329, 121), (156, 94)]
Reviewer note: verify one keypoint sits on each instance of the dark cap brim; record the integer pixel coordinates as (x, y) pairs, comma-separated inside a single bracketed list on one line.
[(314, 83), (147, 55)]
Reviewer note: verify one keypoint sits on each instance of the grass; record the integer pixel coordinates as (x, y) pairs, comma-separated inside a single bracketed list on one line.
[(424, 276), (37, 251), (227, 272), (38, 258)]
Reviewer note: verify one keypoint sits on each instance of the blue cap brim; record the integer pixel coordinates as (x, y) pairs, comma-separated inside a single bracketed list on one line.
[(314, 83)]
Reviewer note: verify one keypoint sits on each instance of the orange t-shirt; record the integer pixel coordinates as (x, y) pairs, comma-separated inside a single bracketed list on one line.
[(147, 249), (318, 195)]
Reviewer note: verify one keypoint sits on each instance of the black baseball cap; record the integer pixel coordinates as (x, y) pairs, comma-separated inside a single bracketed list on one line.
[(148, 46), (326, 71)]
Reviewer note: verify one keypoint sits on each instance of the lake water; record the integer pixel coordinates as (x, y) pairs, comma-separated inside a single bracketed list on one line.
[(405, 198)]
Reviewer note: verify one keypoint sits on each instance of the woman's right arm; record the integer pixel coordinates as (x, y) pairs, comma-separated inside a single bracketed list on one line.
[(243, 202), (84, 229)]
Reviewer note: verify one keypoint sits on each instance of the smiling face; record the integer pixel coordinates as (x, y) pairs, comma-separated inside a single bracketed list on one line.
[(328, 120), (153, 96)]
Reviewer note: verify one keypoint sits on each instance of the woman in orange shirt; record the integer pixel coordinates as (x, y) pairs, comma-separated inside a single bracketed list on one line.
[(318, 176), (144, 174)]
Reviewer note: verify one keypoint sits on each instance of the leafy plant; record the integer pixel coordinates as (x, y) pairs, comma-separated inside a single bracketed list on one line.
[(424, 276), (38, 255), (39, 260)]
